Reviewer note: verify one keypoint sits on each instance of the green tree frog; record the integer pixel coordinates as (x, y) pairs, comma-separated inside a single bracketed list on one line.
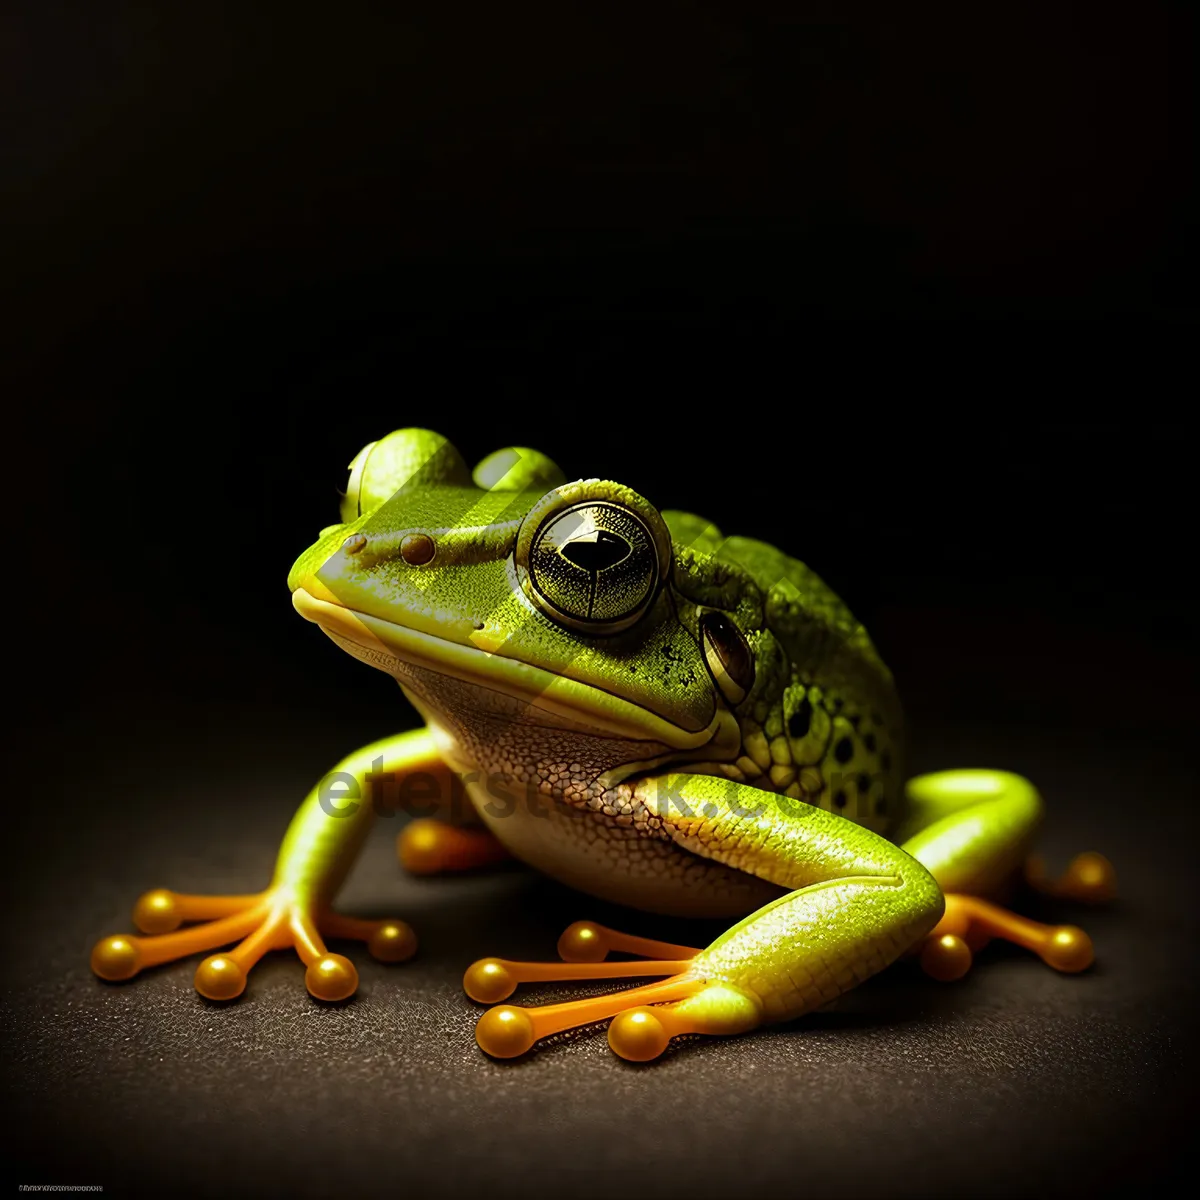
[(646, 710)]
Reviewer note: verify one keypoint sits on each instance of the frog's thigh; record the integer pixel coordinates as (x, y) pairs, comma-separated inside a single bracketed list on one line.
[(973, 830)]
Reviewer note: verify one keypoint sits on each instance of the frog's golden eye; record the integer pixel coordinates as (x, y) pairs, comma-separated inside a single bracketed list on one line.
[(405, 458), (728, 656), (591, 556)]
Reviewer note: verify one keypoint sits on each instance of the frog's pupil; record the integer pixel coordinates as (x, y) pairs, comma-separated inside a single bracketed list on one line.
[(597, 550)]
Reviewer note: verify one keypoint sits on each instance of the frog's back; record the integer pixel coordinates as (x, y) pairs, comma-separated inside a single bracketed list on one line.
[(827, 727)]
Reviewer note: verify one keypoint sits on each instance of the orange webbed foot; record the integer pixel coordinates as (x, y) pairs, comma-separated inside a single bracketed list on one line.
[(970, 922), (637, 1033), (257, 923)]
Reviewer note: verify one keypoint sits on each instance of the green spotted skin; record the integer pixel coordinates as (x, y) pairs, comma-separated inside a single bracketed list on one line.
[(823, 723)]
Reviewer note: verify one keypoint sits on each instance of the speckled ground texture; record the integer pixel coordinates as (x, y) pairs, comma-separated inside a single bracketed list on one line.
[(1017, 1081)]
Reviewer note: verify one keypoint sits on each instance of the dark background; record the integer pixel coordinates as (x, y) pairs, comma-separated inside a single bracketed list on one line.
[(819, 273)]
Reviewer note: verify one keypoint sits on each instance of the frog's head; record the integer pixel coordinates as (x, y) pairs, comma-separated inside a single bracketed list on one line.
[(509, 596)]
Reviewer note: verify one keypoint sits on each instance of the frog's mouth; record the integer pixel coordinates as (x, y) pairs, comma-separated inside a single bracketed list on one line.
[(570, 699)]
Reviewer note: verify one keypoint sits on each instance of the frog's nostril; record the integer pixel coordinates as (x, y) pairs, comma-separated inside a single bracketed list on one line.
[(417, 549)]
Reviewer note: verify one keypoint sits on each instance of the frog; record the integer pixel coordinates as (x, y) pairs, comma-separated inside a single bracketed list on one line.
[(647, 711)]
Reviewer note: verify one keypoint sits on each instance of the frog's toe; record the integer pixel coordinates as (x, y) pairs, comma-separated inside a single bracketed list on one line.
[(585, 941), (427, 846), (489, 980), (220, 977), (643, 1033), (272, 920), (970, 922), (644, 1019), (162, 911), (117, 958), (1089, 878), (639, 1034), (125, 955), (582, 947), (389, 941), (946, 958), (509, 1030)]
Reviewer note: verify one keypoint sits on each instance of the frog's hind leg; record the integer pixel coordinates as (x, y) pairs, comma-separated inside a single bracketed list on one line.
[(972, 830), (508, 1030)]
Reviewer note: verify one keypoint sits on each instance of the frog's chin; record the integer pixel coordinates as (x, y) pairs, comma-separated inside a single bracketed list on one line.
[(392, 648)]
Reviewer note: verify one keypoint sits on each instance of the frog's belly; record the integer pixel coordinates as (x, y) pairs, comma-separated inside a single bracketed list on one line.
[(591, 852)]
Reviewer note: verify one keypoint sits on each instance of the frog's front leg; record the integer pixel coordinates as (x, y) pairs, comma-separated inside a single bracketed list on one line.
[(856, 903), (294, 910)]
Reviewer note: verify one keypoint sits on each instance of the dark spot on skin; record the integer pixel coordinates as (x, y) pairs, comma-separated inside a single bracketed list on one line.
[(800, 721), (844, 750), (886, 761), (864, 782), (839, 798), (869, 742), (417, 549)]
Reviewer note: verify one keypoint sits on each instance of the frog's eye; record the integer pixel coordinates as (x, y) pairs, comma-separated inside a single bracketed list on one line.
[(591, 556), (403, 459), (728, 656)]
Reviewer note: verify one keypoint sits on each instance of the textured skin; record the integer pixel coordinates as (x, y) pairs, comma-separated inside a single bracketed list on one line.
[(827, 726)]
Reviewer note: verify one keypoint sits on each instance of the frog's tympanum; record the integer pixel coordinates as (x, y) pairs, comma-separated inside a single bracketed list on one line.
[(646, 710)]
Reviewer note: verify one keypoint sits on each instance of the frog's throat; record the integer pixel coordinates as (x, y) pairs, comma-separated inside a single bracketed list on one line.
[(555, 694)]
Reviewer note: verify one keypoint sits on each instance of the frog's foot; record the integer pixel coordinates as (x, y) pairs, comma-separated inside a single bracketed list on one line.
[(1090, 878), (682, 1003), (969, 923), (426, 846), (270, 920)]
